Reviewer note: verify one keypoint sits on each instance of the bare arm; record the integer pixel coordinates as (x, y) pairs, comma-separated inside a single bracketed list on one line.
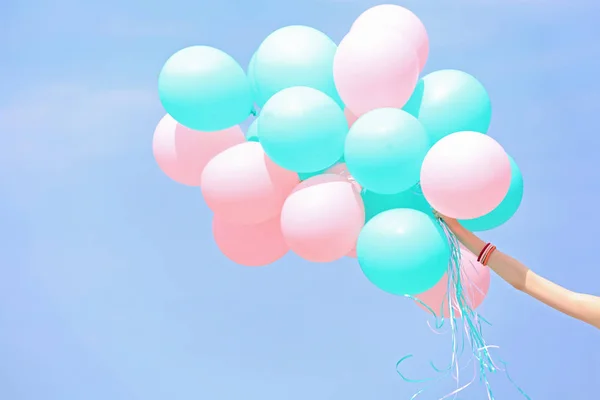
[(580, 306)]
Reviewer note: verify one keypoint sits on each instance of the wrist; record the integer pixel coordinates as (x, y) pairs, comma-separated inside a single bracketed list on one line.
[(451, 222)]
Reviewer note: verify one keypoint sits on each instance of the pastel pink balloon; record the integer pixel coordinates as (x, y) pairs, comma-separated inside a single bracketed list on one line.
[(475, 279), (342, 170), (375, 69), (318, 179), (182, 153), (399, 20), (465, 175), (351, 118), (322, 219), (250, 245), (243, 185)]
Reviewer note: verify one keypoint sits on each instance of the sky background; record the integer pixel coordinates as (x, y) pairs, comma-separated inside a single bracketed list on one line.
[(111, 286)]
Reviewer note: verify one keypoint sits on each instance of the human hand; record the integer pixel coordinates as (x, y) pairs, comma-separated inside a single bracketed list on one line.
[(449, 221)]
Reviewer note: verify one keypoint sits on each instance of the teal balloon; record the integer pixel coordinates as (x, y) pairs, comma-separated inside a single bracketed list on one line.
[(376, 203), (384, 150), (250, 74), (252, 132), (205, 89), (302, 129), (305, 175), (403, 251), (449, 101), (507, 208), (294, 56)]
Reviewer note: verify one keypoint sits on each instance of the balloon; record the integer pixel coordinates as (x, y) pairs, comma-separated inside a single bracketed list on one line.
[(399, 20), (506, 209), (252, 133), (403, 251), (465, 175), (322, 218), (385, 149), (450, 101), (182, 153), (294, 56), (306, 175), (350, 117), (205, 89), (341, 169), (475, 280), (243, 186), (302, 129), (251, 80), (376, 203), (250, 245), (375, 69)]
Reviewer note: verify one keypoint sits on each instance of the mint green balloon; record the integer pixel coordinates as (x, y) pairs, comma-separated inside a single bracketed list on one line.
[(376, 203), (250, 74), (506, 209), (450, 101), (302, 129), (305, 175), (403, 251), (294, 56), (385, 149), (252, 132), (205, 89)]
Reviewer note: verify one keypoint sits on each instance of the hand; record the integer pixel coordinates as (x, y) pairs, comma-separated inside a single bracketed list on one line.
[(449, 221)]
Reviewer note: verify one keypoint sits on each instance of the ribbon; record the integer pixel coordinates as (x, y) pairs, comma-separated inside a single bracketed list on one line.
[(468, 336)]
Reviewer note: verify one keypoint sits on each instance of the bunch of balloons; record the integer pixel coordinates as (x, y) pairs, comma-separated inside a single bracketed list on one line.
[(349, 152)]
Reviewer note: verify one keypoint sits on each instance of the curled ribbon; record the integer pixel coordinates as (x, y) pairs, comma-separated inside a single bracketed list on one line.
[(470, 336)]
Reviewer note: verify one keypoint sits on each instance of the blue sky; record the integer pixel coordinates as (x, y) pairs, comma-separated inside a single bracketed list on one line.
[(112, 288)]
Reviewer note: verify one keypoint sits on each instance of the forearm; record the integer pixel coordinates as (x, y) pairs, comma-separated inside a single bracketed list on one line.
[(505, 266), (581, 306)]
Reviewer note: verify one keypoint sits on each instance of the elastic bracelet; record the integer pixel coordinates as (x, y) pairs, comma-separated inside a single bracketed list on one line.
[(488, 255), (480, 257)]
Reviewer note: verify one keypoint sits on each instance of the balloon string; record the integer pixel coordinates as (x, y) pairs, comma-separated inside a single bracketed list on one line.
[(470, 336)]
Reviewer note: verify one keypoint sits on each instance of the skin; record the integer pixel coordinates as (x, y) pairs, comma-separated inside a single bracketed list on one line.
[(583, 307)]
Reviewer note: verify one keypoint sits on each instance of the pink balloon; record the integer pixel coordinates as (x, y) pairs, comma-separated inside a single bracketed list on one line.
[(322, 218), (351, 118), (342, 170), (182, 153), (318, 179), (243, 185), (465, 175), (399, 20), (375, 69), (475, 279), (250, 245)]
